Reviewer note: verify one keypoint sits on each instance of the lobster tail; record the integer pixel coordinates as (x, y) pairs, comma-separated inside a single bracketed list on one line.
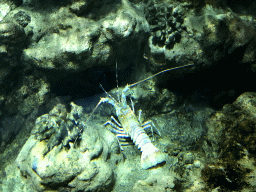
[(151, 156)]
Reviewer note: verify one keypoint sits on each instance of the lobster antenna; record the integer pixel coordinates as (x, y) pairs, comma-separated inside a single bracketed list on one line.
[(107, 93), (117, 84), (92, 112), (100, 103), (170, 69)]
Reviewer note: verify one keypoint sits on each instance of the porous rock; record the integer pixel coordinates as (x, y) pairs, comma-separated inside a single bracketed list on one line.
[(182, 36), (155, 182), (60, 163), (63, 40), (231, 142)]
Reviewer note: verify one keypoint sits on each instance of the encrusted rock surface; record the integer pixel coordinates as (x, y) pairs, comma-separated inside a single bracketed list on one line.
[(51, 159), (55, 52), (231, 141), (181, 36), (235, 123), (64, 41)]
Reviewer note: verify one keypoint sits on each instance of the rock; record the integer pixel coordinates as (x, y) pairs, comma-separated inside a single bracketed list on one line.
[(72, 43), (48, 162), (24, 99), (22, 18), (155, 182), (181, 36), (231, 141), (12, 36), (12, 41), (4, 10), (232, 124)]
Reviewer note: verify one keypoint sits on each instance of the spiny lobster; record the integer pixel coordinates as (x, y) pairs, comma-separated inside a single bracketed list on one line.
[(131, 127)]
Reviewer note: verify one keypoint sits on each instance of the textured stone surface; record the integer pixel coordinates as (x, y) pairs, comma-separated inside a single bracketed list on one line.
[(54, 161), (78, 43), (231, 140), (54, 52)]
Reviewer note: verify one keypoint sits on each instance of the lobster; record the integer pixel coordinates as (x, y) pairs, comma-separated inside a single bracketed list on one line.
[(129, 125)]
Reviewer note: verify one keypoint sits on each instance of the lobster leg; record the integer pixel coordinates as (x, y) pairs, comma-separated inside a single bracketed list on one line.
[(113, 118), (118, 131), (149, 124), (125, 137), (115, 128), (140, 111), (146, 126)]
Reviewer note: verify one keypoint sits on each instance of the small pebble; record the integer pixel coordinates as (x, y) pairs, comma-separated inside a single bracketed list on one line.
[(197, 164)]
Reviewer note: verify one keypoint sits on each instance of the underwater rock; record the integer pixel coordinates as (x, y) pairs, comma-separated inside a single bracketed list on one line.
[(4, 10), (230, 141), (12, 41), (180, 35), (22, 18), (31, 93), (58, 126), (182, 128), (220, 33), (92, 8), (155, 182), (73, 43), (12, 37), (51, 159), (9, 129), (235, 123)]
